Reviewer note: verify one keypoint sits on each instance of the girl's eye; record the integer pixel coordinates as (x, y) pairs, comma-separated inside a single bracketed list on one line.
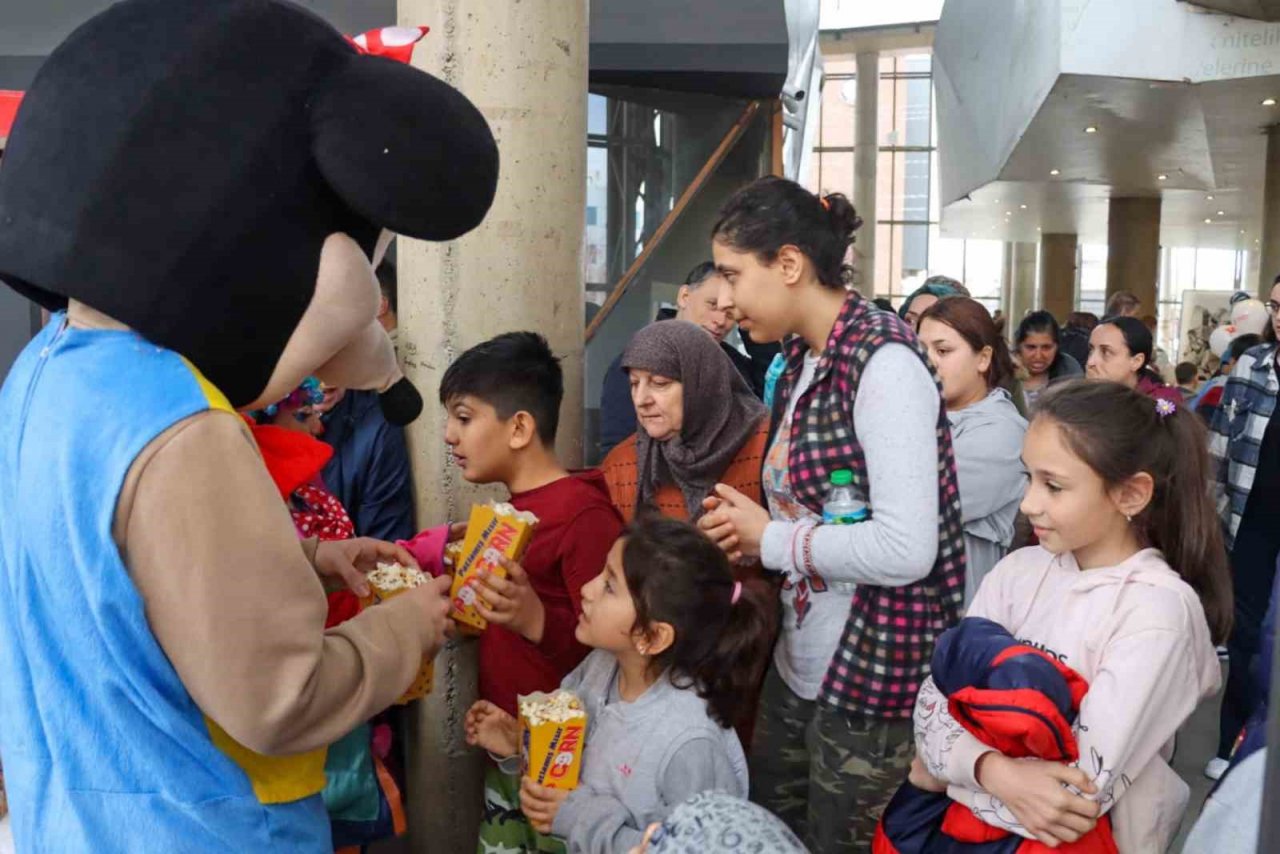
[(1053, 488)]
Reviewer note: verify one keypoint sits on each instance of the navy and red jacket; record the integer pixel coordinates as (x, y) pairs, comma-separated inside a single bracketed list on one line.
[(1013, 697)]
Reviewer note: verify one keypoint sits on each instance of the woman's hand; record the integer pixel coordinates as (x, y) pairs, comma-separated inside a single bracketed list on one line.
[(1034, 791), (349, 560), (734, 522), (489, 728), (922, 779), (540, 804), (511, 602), (648, 837)]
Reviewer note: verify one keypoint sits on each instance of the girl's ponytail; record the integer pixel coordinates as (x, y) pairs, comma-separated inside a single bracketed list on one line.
[(1182, 521), (1120, 433), (722, 631)]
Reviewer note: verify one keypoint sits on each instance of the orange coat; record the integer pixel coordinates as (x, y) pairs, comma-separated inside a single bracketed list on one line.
[(620, 473)]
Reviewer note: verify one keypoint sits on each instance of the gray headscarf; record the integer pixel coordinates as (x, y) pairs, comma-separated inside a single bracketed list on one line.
[(715, 823), (720, 412)]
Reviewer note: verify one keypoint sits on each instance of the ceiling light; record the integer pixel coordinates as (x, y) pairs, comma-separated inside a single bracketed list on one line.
[(1209, 198), (1208, 221), (1008, 213), (1162, 177), (1091, 129), (1024, 207), (997, 201), (1268, 102), (1222, 213), (1054, 172)]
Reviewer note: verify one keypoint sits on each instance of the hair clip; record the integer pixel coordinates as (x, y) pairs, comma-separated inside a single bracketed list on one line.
[(826, 205), (1165, 407), (737, 593)]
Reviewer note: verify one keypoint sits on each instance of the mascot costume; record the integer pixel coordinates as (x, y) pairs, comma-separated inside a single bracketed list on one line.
[(199, 191)]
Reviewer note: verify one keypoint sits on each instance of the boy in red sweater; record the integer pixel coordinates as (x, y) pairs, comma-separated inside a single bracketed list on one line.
[(503, 401)]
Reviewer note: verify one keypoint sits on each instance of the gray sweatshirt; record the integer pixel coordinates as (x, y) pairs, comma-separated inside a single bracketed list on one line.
[(987, 438), (642, 759)]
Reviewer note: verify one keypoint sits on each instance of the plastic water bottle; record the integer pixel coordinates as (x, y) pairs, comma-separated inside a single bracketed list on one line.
[(842, 507)]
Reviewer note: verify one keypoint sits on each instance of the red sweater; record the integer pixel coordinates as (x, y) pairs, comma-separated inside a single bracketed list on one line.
[(577, 525)]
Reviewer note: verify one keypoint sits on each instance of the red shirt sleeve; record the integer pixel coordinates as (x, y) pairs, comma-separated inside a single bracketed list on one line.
[(585, 546)]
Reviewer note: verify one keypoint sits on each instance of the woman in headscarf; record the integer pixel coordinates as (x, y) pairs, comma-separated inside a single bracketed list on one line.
[(698, 424)]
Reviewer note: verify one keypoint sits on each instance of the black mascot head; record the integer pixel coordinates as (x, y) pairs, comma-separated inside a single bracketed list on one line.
[(222, 175)]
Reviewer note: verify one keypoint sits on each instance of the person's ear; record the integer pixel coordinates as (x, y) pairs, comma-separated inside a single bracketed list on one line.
[(984, 359), (682, 297), (1133, 495), (1137, 362), (384, 306), (656, 639), (522, 429), (791, 264)]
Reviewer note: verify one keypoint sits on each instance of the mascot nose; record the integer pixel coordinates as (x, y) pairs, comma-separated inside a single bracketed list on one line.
[(400, 403)]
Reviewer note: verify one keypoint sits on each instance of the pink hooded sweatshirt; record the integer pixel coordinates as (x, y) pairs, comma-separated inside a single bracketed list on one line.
[(1137, 633)]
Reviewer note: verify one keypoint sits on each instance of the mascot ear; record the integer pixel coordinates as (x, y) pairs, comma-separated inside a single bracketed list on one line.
[(404, 150), (401, 404)]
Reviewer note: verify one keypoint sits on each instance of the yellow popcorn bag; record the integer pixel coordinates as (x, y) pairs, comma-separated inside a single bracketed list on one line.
[(493, 531), (387, 581), (553, 730)]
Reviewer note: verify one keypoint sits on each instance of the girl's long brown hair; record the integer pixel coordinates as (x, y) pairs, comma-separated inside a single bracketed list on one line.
[(1119, 433)]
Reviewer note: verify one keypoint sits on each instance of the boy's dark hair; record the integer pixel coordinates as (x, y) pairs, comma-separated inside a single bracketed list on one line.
[(1119, 432), (772, 212), (515, 372), (1039, 322), (1184, 372), (678, 576), (1239, 345)]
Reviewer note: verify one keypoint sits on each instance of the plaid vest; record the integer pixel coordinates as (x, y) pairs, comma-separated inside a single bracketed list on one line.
[(884, 653)]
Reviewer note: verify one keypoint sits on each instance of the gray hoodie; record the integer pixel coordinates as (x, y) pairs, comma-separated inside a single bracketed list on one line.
[(987, 438), (641, 759)]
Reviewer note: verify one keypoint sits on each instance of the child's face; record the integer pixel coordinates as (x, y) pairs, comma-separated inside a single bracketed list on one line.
[(608, 614), (479, 439), (1067, 503)]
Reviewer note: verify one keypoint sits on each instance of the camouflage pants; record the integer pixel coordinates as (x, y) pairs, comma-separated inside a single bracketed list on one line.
[(826, 773), (504, 829)]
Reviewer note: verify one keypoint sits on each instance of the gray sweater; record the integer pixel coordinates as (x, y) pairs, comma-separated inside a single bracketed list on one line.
[(987, 438), (642, 759)]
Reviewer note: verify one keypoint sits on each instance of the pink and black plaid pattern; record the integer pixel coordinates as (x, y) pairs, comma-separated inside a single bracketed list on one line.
[(888, 641)]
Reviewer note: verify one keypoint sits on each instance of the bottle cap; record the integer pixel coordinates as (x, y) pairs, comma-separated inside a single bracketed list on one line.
[(841, 477)]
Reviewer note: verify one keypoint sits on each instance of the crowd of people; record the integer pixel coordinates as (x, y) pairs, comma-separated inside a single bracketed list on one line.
[(729, 636)]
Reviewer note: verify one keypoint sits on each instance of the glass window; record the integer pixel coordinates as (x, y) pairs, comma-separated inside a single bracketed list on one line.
[(839, 96), (597, 114), (595, 241)]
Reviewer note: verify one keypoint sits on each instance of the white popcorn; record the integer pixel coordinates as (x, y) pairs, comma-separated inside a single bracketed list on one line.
[(394, 576), (504, 508), (556, 707)]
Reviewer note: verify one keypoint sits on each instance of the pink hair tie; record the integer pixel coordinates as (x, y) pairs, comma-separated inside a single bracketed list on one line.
[(737, 593)]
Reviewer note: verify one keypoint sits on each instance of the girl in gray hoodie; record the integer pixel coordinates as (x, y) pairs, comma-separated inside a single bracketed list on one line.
[(972, 361), (676, 643)]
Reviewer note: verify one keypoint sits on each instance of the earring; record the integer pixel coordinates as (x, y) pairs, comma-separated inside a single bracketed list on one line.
[(1128, 518)]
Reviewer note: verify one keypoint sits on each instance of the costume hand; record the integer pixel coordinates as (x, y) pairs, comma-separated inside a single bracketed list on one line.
[(511, 601), (434, 601), (922, 779), (489, 728), (734, 522), (540, 804), (1034, 792), (349, 560)]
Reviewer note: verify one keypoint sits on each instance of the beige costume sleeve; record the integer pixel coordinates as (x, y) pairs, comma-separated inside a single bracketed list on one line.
[(236, 605)]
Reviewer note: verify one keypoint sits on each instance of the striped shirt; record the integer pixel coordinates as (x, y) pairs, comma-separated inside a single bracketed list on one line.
[(1236, 433)]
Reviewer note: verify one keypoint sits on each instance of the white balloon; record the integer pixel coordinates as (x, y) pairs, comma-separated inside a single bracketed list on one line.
[(1220, 339), (1249, 316)]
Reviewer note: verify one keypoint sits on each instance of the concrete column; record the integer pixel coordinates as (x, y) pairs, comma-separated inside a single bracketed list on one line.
[(525, 66), (1020, 280), (866, 155), (1269, 254), (1133, 249), (1058, 274)]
